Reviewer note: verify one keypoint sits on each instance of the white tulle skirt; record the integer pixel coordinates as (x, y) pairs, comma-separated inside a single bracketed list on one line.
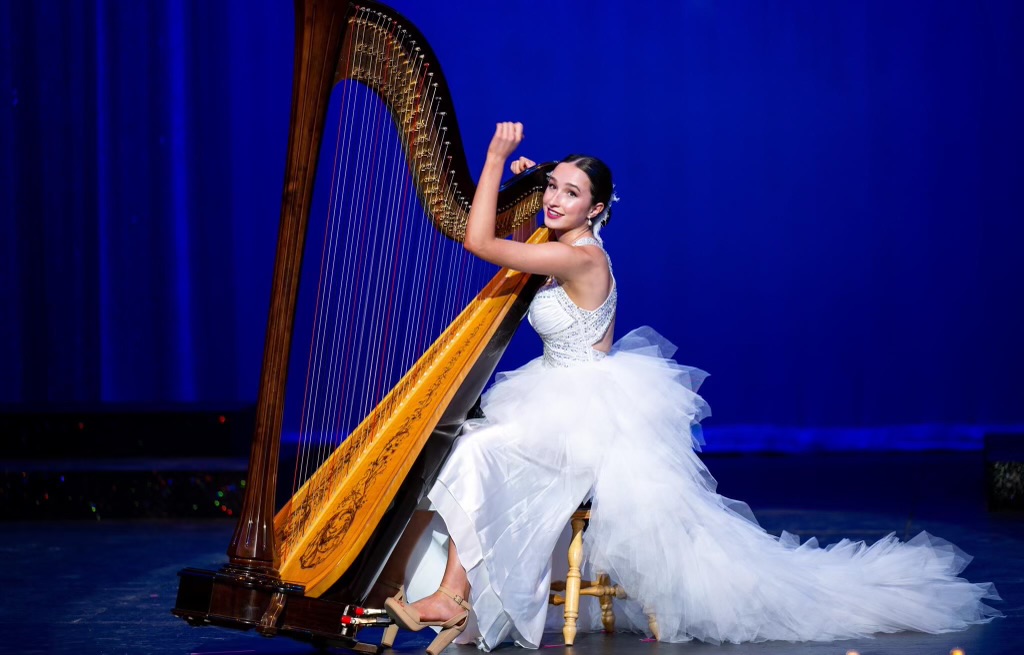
[(622, 432)]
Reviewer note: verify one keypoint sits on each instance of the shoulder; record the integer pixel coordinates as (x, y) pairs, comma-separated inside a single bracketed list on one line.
[(594, 252), (594, 263)]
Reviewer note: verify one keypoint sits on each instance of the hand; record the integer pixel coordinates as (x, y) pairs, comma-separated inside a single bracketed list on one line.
[(506, 137), (521, 164)]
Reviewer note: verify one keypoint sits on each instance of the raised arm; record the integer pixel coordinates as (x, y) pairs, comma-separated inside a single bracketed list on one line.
[(552, 258)]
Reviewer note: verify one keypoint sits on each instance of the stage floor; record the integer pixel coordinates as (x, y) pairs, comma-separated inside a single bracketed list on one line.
[(108, 586)]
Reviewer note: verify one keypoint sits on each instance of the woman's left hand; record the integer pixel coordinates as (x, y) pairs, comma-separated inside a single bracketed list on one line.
[(521, 164), (507, 137)]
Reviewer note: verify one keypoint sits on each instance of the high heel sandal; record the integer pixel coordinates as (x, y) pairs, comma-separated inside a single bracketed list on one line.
[(391, 632), (409, 619)]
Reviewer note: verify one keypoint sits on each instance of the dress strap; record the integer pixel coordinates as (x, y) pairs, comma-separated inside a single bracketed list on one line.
[(588, 241)]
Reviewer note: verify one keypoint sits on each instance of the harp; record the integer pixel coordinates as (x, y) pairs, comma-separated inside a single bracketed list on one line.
[(304, 570)]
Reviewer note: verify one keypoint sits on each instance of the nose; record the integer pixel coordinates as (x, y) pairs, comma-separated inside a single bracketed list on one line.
[(551, 198)]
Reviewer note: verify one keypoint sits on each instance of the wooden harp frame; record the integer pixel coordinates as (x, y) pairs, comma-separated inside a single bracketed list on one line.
[(271, 583)]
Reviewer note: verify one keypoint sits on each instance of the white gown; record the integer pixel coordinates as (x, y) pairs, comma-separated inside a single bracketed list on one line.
[(621, 431)]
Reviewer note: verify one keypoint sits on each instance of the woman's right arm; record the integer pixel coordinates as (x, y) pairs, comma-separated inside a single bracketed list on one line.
[(552, 258)]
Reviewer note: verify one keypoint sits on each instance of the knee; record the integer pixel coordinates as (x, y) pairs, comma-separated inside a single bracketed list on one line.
[(467, 449)]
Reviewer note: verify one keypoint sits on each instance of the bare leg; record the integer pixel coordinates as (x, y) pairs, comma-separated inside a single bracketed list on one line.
[(438, 606), (455, 578), (394, 570)]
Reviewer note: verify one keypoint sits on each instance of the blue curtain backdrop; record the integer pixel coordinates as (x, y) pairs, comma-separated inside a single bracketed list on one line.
[(822, 201)]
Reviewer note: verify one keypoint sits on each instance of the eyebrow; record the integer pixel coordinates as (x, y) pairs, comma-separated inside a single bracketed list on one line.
[(552, 177)]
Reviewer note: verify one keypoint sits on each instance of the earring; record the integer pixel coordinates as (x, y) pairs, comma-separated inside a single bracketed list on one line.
[(590, 222)]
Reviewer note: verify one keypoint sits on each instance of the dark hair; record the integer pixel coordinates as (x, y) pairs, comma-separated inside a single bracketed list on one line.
[(600, 180)]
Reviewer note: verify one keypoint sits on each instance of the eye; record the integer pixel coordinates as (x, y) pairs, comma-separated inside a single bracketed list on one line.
[(551, 185), (572, 194)]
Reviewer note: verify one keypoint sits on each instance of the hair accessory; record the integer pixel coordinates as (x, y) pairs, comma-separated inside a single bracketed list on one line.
[(603, 217)]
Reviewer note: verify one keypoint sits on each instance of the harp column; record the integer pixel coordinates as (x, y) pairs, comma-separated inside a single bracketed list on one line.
[(319, 25)]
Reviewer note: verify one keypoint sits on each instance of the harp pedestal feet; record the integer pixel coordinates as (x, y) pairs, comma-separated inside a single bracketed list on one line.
[(240, 599)]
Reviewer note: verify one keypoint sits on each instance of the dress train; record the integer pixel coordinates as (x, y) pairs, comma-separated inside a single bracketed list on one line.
[(622, 431)]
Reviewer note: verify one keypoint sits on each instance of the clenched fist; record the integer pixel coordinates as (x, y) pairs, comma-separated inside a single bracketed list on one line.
[(506, 137)]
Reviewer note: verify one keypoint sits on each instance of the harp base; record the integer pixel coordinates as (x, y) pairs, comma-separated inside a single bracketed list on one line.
[(233, 599)]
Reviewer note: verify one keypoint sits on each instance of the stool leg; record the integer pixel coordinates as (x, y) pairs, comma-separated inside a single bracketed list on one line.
[(572, 582), (607, 613)]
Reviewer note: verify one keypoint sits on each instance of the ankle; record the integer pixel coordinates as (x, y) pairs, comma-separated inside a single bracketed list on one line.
[(455, 595)]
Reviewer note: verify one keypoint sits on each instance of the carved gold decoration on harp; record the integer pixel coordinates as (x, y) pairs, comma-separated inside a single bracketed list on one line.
[(401, 180)]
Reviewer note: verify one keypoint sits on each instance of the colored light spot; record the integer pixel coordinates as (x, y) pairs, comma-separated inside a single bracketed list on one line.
[(216, 503), (222, 419), (220, 494)]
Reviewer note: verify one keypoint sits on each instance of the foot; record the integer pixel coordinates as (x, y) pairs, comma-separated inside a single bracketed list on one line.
[(437, 606)]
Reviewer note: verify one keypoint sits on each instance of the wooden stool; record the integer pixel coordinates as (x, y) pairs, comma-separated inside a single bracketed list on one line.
[(573, 586)]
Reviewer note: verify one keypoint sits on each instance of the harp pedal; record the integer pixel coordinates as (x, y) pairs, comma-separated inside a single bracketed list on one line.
[(355, 618), (364, 622), (363, 612)]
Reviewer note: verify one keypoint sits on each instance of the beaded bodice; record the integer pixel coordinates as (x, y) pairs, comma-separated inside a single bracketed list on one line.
[(568, 331)]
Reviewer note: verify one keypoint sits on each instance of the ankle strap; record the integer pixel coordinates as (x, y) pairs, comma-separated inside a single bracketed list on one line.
[(459, 600)]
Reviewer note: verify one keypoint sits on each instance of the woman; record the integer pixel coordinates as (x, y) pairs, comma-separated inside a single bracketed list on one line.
[(618, 425)]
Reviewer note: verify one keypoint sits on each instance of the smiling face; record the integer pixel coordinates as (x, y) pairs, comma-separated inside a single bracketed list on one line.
[(568, 200)]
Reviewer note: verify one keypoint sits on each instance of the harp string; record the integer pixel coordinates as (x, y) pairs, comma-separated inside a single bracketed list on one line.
[(406, 219), (384, 298), (396, 216), (316, 444), (365, 304), (421, 235), (309, 416)]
